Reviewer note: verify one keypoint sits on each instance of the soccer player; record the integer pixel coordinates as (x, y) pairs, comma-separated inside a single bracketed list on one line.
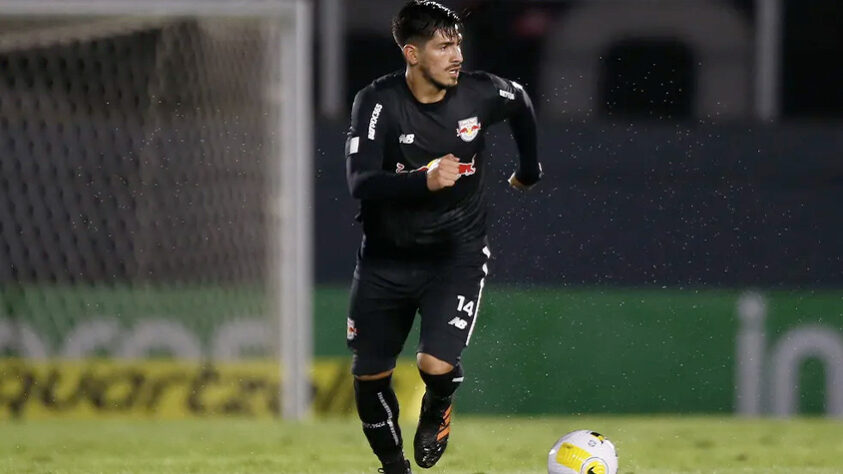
[(414, 159)]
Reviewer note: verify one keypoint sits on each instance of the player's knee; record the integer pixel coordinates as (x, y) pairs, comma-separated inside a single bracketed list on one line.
[(372, 366), (378, 376), (432, 365)]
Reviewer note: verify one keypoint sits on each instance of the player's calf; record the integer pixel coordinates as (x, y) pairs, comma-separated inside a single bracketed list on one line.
[(378, 410), (434, 426)]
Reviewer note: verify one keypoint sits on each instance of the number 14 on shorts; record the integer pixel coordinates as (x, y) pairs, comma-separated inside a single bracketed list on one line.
[(462, 305)]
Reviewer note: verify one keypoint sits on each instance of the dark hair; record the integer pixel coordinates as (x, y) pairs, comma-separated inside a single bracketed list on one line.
[(421, 19)]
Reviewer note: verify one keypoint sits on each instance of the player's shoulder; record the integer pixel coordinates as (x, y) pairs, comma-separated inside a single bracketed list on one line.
[(382, 87), (487, 82)]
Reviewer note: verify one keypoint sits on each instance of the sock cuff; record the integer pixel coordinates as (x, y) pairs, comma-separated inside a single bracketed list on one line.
[(443, 385), (372, 386)]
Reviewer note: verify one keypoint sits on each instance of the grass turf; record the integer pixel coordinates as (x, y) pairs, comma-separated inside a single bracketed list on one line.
[(646, 445)]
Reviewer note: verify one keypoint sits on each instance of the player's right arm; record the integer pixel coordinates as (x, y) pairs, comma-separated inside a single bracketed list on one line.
[(371, 125), (443, 172)]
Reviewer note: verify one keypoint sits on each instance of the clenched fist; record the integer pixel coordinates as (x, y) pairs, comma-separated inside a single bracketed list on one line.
[(443, 172)]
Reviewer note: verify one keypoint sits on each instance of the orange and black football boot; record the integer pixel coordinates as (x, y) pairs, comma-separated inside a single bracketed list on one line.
[(434, 428)]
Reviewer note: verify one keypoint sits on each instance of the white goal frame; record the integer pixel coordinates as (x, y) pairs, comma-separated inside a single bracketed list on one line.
[(290, 208)]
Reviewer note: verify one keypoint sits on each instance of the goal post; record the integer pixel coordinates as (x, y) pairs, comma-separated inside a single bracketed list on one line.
[(296, 212), (158, 159)]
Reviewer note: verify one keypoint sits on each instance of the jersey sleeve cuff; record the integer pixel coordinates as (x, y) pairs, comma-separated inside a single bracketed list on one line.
[(418, 184), (529, 177)]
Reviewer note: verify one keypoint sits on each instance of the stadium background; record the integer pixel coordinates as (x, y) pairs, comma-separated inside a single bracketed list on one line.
[(685, 245), (672, 187)]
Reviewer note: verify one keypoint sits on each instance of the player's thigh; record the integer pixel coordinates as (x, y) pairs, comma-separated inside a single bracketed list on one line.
[(380, 317), (450, 307)]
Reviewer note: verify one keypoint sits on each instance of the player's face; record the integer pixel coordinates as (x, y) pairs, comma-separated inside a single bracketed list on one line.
[(441, 59)]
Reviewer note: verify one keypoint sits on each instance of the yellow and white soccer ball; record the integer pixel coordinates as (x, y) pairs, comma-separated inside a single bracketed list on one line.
[(582, 452)]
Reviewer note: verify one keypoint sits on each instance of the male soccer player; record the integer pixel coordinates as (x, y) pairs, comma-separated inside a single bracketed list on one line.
[(414, 158)]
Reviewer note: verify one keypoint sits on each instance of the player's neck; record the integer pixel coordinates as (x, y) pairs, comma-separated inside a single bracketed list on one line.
[(422, 89)]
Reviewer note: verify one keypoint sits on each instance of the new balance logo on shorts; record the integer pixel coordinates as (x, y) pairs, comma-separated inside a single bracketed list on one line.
[(458, 322)]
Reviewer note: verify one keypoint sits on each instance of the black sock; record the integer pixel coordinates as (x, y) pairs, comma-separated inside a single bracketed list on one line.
[(378, 410), (444, 385)]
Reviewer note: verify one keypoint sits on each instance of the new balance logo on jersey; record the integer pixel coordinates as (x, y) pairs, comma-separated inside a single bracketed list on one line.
[(373, 122), (406, 139), (458, 322)]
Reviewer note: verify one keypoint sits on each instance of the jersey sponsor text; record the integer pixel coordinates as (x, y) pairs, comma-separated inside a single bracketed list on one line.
[(373, 122)]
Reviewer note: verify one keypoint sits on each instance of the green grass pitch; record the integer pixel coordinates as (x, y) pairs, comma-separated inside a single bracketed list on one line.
[(646, 445)]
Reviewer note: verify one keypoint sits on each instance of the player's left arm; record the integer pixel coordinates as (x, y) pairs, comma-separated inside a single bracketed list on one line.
[(522, 121), (509, 101)]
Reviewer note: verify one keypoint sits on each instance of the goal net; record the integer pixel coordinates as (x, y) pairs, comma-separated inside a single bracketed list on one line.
[(143, 209)]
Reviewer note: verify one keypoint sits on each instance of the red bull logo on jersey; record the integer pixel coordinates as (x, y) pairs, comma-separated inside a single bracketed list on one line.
[(468, 129), (465, 169)]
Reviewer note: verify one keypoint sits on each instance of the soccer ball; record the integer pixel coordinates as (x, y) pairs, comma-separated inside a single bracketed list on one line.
[(582, 452)]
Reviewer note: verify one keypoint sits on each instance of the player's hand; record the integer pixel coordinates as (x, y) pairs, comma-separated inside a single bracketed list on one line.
[(528, 179), (513, 181), (443, 172)]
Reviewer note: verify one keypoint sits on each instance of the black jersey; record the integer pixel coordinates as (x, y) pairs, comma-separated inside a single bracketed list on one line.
[(392, 140)]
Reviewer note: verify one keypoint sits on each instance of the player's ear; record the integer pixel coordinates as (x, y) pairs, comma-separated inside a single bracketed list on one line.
[(411, 54)]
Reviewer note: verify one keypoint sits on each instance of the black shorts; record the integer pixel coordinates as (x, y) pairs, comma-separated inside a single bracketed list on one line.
[(387, 293)]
